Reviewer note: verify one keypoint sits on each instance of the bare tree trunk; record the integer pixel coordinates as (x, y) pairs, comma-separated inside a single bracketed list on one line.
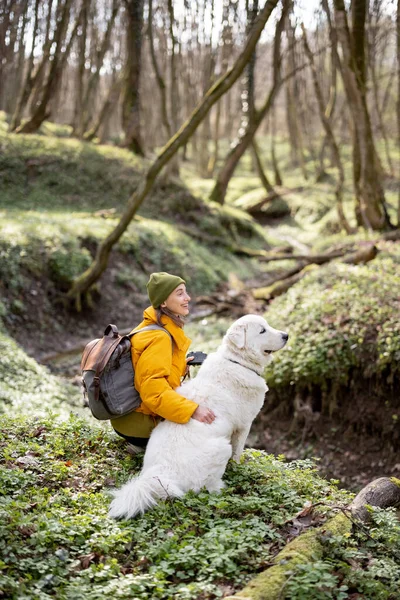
[(30, 77), (292, 100), (224, 176), (159, 78), (398, 95), (367, 177), (17, 79), (379, 115), (8, 9), (111, 100), (78, 121), (269, 188), (330, 137), (173, 88), (83, 283), (330, 107), (94, 76), (131, 103), (41, 112), (277, 174)]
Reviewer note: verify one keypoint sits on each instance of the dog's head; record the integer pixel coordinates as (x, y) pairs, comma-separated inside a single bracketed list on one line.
[(252, 337)]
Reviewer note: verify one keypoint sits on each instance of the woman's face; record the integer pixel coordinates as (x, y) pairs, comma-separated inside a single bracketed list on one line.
[(178, 301)]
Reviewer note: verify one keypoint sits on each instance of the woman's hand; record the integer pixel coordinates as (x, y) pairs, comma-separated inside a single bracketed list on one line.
[(203, 414), (187, 370)]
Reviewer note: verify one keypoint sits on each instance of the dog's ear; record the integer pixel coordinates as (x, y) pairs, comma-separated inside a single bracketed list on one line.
[(237, 335)]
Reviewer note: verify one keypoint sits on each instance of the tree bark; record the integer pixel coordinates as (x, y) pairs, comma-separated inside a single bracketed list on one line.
[(131, 103), (110, 101), (382, 492), (94, 76), (78, 121), (83, 283), (269, 188), (367, 177), (31, 77), (160, 80), (18, 74), (374, 78), (330, 137), (292, 102), (173, 167), (398, 95), (224, 176), (59, 58)]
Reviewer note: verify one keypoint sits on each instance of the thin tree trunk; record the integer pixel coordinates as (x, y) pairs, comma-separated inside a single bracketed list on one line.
[(292, 100), (131, 103), (379, 115), (277, 175), (94, 77), (367, 177), (110, 102), (398, 96), (173, 167), (159, 78), (78, 120), (224, 176), (83, 283), (16, 83), (269, 188), (29, 79), (330, 137), (41, 112)]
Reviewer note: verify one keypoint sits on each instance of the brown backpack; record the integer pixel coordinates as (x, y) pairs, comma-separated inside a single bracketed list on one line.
[(108, 376)]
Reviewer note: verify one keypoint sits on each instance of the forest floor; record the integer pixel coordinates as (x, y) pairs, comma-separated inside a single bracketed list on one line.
[(45, 329)]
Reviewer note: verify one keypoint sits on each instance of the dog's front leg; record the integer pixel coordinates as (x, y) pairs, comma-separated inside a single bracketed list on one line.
[(239, 438)]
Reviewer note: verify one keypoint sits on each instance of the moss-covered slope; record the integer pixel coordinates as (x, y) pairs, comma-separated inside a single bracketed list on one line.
[(344, 343)]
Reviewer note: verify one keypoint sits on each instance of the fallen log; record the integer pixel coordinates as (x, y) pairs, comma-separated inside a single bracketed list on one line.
[(362, 255), (307, 547), (382, 492)]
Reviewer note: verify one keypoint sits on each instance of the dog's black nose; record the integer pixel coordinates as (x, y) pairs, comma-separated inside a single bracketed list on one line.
[(285, 336)]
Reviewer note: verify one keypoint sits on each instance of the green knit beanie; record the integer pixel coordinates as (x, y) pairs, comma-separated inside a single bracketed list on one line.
[(160, 285)]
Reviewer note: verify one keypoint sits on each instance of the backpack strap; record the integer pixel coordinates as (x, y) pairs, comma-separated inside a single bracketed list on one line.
[(153, 327)]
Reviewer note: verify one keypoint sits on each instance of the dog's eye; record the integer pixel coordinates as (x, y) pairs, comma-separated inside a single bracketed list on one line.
[(263, 330)]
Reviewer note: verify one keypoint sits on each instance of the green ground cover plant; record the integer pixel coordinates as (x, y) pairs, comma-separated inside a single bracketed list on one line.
[(27, 387), (344, 335), (57, 540)]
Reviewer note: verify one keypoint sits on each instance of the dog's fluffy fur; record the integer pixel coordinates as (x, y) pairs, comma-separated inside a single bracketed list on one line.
[(194, 455)]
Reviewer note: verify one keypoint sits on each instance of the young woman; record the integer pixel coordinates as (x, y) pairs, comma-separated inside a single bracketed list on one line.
[(159, 365)]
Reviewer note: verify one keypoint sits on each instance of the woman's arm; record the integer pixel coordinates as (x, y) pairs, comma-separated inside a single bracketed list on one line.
[(151, 372)]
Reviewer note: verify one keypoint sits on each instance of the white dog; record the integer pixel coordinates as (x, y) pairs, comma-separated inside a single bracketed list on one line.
[(194, 455)]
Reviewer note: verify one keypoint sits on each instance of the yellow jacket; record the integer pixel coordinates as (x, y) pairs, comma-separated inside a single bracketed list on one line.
[(158, 371)]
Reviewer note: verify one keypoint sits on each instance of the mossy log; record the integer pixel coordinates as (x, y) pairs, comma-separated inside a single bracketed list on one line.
[(360, 256), (307, 547), (270, 584), (382, 492), (282, 285)]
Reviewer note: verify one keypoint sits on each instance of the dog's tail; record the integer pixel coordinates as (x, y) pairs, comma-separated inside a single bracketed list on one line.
[(141, 493)]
